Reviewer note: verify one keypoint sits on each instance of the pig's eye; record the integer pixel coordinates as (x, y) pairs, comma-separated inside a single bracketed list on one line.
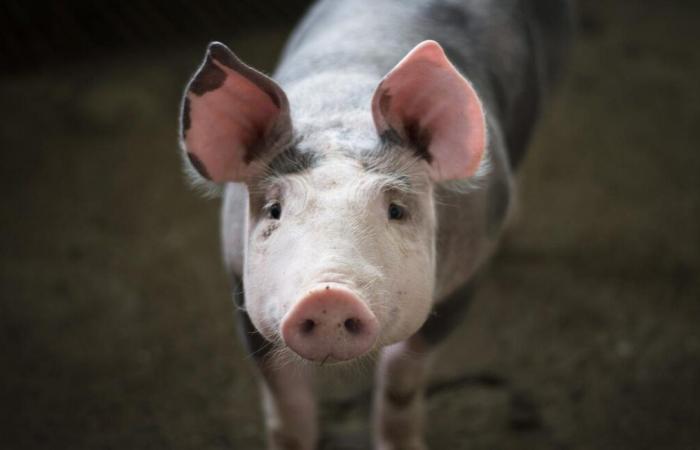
[(396, 212), (274, 210)]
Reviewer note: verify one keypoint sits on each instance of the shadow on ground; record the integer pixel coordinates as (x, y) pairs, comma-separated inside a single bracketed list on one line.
[(116, 324)]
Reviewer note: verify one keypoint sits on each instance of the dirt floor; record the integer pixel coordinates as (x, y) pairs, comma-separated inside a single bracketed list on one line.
[(116, 325)]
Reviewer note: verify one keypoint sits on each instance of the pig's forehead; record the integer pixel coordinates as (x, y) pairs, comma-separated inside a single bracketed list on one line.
[(342, 172), (340, 135), (332, 171), (336, 167)]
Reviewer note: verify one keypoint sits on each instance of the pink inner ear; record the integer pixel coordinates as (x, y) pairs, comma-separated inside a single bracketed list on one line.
[(229, 124), (427, 101)]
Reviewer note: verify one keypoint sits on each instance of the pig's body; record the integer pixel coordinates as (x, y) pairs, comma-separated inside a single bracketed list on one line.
[(510, 51), (340, 52)]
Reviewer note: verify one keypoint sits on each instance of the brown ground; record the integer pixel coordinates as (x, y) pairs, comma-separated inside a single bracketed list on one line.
[(116, 324)]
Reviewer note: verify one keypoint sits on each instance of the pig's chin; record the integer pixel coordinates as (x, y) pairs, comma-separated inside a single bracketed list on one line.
[(288, 355)]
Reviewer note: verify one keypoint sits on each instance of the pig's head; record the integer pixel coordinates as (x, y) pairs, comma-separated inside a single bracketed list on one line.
[(340, 227)]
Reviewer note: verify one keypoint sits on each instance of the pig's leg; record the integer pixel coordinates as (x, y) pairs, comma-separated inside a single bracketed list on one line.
[(289, 406), (287, 391), (399, 395), (403, 371)]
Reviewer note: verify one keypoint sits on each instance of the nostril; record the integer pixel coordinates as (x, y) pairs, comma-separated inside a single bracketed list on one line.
[(329, 325), (353, 326), (308, 326)]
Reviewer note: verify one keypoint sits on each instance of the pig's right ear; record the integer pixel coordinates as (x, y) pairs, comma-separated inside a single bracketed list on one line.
[(231, 114)]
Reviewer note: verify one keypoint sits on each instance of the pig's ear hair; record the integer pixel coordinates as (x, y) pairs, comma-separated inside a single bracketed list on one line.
[(426, 103), (232, 117)]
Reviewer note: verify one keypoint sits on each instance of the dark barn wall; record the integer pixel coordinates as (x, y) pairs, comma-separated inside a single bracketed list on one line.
[(116, 322), (38, 34)]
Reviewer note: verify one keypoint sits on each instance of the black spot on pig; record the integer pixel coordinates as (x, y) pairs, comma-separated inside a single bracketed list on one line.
[(550, 26), (499, 92), (524, 107), (498, 198), (185, 118), (553, 14), (292, 161), (456, 55), (400, 400), (209, 77), (448, 15), (223, 55), (198, 165), (446, 315)]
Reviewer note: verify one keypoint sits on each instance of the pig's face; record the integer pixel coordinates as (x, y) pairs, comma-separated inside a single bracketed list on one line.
[(340, 226), (340, 229)]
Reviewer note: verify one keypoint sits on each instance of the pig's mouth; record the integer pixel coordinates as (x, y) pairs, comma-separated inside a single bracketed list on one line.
[(330, 324)]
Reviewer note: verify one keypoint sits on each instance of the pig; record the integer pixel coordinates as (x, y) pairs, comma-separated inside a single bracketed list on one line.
[(365, 184)]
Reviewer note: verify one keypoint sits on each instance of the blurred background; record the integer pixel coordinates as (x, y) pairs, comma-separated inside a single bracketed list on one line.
[(116, 325)]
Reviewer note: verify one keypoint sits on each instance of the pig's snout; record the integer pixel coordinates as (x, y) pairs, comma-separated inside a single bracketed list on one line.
[(329, 325)]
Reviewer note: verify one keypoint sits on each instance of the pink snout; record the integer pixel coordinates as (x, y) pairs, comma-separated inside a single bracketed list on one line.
[(328, 325)]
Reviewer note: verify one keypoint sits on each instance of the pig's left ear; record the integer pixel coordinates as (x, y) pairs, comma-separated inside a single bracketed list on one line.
[(231, 117), (435, 110)]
